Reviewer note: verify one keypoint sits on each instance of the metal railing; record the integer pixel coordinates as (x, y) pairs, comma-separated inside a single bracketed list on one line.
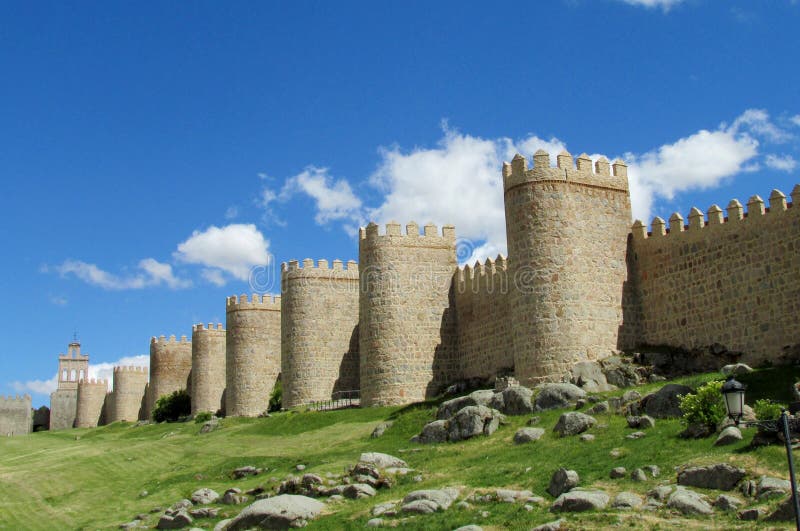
[(338, 400)]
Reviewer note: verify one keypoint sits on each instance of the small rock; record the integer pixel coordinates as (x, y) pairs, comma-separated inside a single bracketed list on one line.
[(380, 429), (727, 503), (177, 520), (300, 468), (279, 512), (429, 501), (729, 435), (688, 502), (234, 497), (204, 496), (580, 500), (205, 512), (477, 398), (245, 471), (660, 493), (618, 472), (638, 475), (359, 490), (375, 522), (469, 528), (784, 512), (143, 494), (626, 500), (183, 504), (383, 508), (751, 514), (665, 403), (134, 524), (511, 496), (463, 505), (772, 488), (557, 395), (526, 435), (735, 369), (599, 408), (586, 437), (696, 430), (635, 435), (549, 526), (720, 477), (222, 525), (615, 453), (528, 507), (380, 460), (630, 396), (417, 478), (749, 488), (533, 421), (573, 423), (653, 470), (562, 481), (580, 403)]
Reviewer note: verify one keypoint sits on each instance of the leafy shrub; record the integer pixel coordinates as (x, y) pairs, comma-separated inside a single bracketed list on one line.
[(705, 406), (766, 409), (276, 398), (202, 416), (172, 407)]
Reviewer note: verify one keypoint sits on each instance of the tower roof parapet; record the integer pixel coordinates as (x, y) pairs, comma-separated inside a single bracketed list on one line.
[(131, 368), (201, 328), (255, 302), (582, 171), (394, 236), (322, 269)]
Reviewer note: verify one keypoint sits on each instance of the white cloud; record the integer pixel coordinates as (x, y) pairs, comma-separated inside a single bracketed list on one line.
[(232, 212), (757, 122), (666, 5), (214, 276), (334, 198), (40, 387), (780, 162), (234, 249), (795, 120), (105, 370), (153, 273)]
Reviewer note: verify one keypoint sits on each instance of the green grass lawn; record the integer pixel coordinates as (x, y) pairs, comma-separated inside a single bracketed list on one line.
[(92, 478)]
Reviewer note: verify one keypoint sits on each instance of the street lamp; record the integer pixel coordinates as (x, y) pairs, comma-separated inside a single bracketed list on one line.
[(733, 393)]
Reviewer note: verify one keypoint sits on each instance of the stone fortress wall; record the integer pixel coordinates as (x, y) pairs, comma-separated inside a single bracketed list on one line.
[(319, 330), (208, 368), (170, 368), (91, 399), (16, 415), (72, 367), (128, 396), (730, 279), (252, 353)]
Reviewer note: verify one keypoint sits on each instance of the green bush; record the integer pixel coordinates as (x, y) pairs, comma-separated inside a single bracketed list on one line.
[(202, 416), (705, 406), (172, 407), (766, 409), (276, 398)]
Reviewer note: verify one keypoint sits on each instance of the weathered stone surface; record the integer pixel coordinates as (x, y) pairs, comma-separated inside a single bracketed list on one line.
[(429, 501), (653, 470), (245, 471), (280, 512), (549, 526), (433, 432), (175, 520), (513, 401), (204, 512), (511, 495), (573, 423), (620, 373), (233, 496), (449, 408), (642, 422), (586, 437), (626, 500), (380, 429), (772, 487), (688, 502), (359, 490), (720, 476), (526, 435), (580, 500), (751, 514), (204, 496), (589, 376), (660, 493), (222, 525), (472, 421), (638, 475), (562, 481), (735, 369), (618, 472), (599, 408), (557, 395), (784, 512), (729, 435), (382, 460), (725, 502), (665, 403)]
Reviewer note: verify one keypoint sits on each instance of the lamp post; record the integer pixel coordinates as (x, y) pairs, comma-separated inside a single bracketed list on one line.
[(733, 393)]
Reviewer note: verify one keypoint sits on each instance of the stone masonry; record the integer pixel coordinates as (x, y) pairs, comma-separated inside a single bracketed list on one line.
[(15, 415), (170, 367), (72, 367), (91, 398), (129, 391), (208, 368)]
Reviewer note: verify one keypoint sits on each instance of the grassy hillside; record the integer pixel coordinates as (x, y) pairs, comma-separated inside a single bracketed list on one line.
[(92, 478)]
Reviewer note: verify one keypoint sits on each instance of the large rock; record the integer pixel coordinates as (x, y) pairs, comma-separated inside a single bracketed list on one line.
[(526, 435), (175, 520), (433, 432), (589, 376), (626, 500), (688, 502), (204, 496), (380, 460), (772, 487), (573, 423), (721, 476), (729, 435), (665, 403), (727, 503), (280, 512), (429, 501), (472, 421), (557, 395), (359, 490), (562, 481), (514, 400), (620, 373), (735, 369), (784, 512), (477, 398), (580, 500)]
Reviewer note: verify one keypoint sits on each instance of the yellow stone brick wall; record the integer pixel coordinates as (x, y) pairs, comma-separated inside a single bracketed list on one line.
[(91, 398), (130, 384), (208, 368), (170, 367)]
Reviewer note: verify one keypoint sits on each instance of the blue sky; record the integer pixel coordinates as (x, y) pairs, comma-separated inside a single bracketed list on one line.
[(153, 153)]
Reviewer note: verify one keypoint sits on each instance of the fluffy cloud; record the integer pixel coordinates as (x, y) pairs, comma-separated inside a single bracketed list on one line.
[(39, 387), (233, 249), (334, 198), (152, 273), (795, 120), (780, 162), (665, 5), (99, 371)]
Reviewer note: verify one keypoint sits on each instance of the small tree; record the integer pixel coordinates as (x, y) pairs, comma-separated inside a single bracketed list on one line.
[(766, 409), (276, 398), (171, 407), (705, 406)]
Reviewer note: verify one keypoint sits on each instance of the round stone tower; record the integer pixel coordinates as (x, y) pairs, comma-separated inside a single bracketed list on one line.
[(319, 331), (406, 327), (129, 391), (567, 230), (208, 368), (170, 368), (91, 397), (252, 353)]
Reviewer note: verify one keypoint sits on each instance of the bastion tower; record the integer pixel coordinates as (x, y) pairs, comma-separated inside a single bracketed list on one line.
[(91, 398), (170, 368), (252, 353), (72, 367), (129, 390), (208, 368), (319, 330), (407, 341), (567, 230)]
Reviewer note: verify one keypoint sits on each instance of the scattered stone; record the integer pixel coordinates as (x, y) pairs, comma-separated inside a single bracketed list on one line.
[(279, 512), (620, 372), (234, 496), (772, 488), (665, 403), (688, 502), (428, 501), (205, 512), (580, 500), (300, 468), (631, 396), (417, 478), (210, 425), (749, 488), (729, 435), (720, 476), (469, 528), (642, 422), (477, 398), (580, 403), (653, 378), (618, 472), (589, 375), (638, 475), (660, 493), (753, 513), (626, 500), (528, 507), (526, 435), (783, 512), (727, 503), (587, 437), (533, 421), (735, 369), (474, 420), (562, 481), (143, 494), (380, 429), (382, 460), (388, 509), (616, 453), (549, 526), (222, 525), (244, 471), (635, 435), (183, 504), (599, 408), (134, 524), (463, 505), (573, 423), (375, 522), (557, 395), (204, 496), (175, 520), (359, 490), (653, 470), (513, 401), (511, 496)]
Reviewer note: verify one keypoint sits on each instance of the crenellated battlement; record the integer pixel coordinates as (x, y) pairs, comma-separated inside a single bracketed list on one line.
[(255, 302), (487, 277), (16, 399), (583, 170), (163, 339), (393, 235), (757, 212), (131, 368), (321, 269), (201, 327), (93, 382)]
